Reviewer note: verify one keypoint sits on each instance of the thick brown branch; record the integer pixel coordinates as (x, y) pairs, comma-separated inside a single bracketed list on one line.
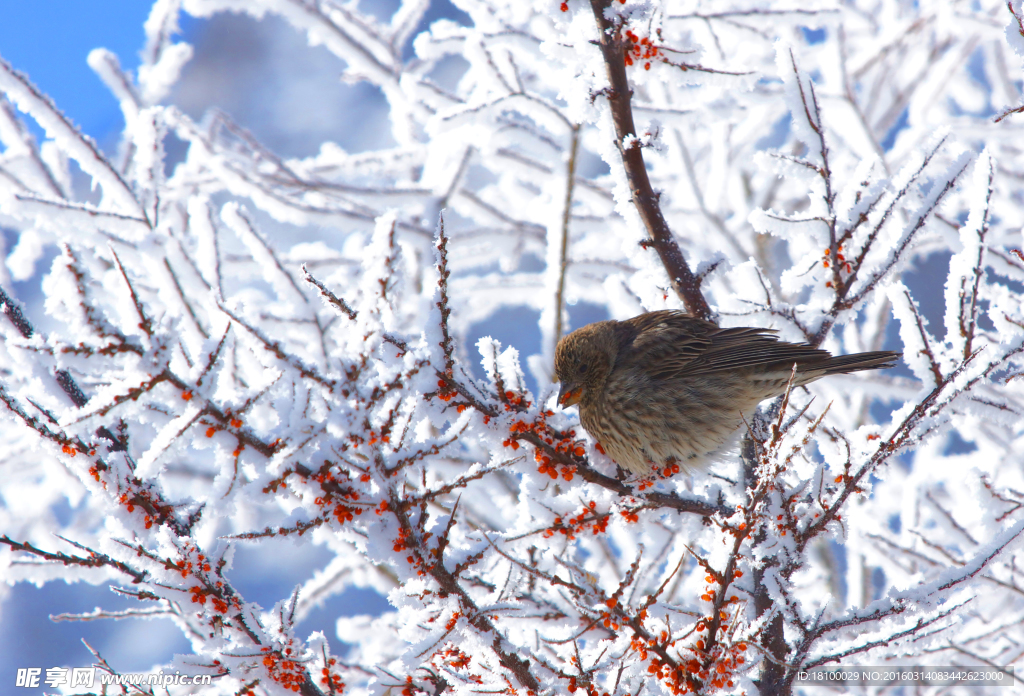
[(646, 200)]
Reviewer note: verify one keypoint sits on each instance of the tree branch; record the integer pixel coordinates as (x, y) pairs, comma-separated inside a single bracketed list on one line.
[(646, 200)]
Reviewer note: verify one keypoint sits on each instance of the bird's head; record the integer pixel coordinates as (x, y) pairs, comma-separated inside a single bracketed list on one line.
[(583, 361)]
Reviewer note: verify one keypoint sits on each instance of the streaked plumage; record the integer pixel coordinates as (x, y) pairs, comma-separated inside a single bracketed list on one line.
[(666, 387)]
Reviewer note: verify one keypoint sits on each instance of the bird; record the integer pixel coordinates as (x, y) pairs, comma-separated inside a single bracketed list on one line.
[(669, 388)]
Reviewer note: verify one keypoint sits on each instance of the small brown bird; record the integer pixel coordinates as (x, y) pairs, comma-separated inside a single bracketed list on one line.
[(665, 387)]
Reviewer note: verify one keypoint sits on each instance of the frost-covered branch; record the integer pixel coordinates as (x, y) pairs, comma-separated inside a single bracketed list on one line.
[(616, 50)]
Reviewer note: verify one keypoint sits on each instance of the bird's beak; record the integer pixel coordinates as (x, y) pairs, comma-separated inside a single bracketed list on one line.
[(569, 394)]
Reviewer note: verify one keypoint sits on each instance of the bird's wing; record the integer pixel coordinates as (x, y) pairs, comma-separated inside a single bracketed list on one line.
[(662, 343), (671, 344), (748, 347)]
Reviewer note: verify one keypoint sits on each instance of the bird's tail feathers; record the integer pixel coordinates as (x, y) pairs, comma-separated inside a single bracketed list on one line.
[(875, 360)]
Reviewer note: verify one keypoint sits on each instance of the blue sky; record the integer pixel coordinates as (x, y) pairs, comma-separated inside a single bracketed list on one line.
[(50, 39)]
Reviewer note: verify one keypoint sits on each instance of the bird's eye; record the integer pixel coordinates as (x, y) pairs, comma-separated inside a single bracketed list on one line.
[(583, 368)]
